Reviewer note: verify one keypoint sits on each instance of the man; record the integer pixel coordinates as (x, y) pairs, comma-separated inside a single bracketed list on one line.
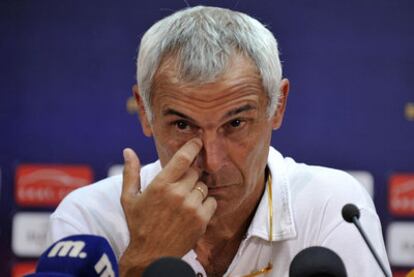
[(210, 91)]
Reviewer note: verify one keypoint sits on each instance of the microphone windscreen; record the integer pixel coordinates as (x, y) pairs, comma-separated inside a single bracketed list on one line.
[(349, 211), (169, 266), (78, 255), (317, 261)]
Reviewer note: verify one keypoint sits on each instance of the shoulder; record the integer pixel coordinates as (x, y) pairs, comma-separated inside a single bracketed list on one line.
[(315, 184), (317, 194), (326, 184)]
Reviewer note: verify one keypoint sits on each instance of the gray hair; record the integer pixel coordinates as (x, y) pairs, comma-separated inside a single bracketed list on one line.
[(204, 38)]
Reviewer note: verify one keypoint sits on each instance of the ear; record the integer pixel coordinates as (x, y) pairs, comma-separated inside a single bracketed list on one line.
[(277, 118), (142, 114)]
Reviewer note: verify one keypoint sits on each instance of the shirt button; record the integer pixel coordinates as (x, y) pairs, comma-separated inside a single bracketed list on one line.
[(199, 274)]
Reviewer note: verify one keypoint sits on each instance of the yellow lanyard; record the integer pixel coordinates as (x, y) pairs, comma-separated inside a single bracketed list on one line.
[(270, 203), (269, 267)]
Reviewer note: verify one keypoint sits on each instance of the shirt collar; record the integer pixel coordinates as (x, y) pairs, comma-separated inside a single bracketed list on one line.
[(283, 223)]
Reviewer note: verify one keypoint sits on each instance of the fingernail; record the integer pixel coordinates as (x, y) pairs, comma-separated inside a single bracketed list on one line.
[(198, 141), (127, 154)]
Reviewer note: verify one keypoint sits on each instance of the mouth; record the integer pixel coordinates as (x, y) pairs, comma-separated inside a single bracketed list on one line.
[(215, 191)]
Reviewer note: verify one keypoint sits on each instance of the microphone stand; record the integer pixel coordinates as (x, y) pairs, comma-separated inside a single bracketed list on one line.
[(371, 248)]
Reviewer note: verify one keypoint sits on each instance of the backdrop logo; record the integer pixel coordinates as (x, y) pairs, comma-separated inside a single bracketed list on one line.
[(29, 233), (401, 194), (400, 243), (47, 185), (23, 268)]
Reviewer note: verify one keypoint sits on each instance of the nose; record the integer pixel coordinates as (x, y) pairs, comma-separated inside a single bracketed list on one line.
[(213, 155)]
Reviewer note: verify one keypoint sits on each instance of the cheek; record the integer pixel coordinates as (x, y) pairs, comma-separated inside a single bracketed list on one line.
[(166, 145), (252, 155)]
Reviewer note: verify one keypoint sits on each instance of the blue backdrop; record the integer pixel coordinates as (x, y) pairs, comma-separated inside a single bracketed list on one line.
[(67, 67)]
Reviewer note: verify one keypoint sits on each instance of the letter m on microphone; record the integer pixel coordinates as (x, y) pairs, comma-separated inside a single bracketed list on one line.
[(104, 267), (68, 248)]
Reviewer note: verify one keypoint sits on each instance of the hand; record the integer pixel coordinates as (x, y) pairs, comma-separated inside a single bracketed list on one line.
[(171, 214)]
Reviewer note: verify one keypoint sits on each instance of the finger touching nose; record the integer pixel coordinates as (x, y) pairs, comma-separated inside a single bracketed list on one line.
[(212, 156)]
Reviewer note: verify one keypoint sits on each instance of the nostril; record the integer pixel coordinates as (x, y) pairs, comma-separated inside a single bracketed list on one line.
[(204, 175)]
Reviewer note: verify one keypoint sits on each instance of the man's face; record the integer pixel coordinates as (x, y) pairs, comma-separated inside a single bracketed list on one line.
[(229, 115)]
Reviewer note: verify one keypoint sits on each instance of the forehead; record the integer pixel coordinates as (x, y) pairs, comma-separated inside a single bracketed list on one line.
[(239, 79)]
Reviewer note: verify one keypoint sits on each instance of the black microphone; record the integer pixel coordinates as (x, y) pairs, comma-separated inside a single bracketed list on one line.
[(317, 261), (351, 214), (169, 266)]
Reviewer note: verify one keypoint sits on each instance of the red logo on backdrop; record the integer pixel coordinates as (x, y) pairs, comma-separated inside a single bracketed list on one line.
[(47, 185), (403, 274), (21, 269), (401, 194)]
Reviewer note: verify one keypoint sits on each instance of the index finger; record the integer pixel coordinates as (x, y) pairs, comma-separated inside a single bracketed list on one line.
[(181, 161)]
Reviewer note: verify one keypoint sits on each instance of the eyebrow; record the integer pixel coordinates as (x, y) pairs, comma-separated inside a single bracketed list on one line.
[(244, 108), (170, 111), (238, 110)]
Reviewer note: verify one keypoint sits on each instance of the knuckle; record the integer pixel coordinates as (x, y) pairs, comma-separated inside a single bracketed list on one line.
[(124, 199), (192, 213), (177, 196), (182, 159), (127, 205), (190, 208), (157, 189), (159, 179)]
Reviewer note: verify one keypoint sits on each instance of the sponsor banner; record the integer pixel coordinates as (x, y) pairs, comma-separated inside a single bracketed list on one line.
[(115, 169), (401, 194), (403, 274), (46, 185), (21, 269), (29, 233), (400, 244), (365, 178)]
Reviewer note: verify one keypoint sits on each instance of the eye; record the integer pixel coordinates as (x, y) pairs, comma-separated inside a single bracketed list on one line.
[(181, 124), (236, 123)]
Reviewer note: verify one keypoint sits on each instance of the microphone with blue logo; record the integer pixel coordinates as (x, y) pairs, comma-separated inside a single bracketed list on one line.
[(78, 255)]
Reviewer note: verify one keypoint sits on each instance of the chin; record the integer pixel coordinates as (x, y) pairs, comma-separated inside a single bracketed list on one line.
[(223, 208)]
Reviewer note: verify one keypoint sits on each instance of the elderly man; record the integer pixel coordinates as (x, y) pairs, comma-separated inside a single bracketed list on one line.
[(210, 91)]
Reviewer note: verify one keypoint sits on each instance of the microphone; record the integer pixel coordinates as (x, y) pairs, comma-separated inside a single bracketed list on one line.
[(169, 267), (317, 261), (78, 255), (351, 214)]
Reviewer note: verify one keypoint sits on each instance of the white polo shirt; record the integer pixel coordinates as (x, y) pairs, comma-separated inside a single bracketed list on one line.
[(307, 204)]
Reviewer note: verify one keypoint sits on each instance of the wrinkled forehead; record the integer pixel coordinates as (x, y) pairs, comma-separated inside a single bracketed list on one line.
[(171, 72)]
